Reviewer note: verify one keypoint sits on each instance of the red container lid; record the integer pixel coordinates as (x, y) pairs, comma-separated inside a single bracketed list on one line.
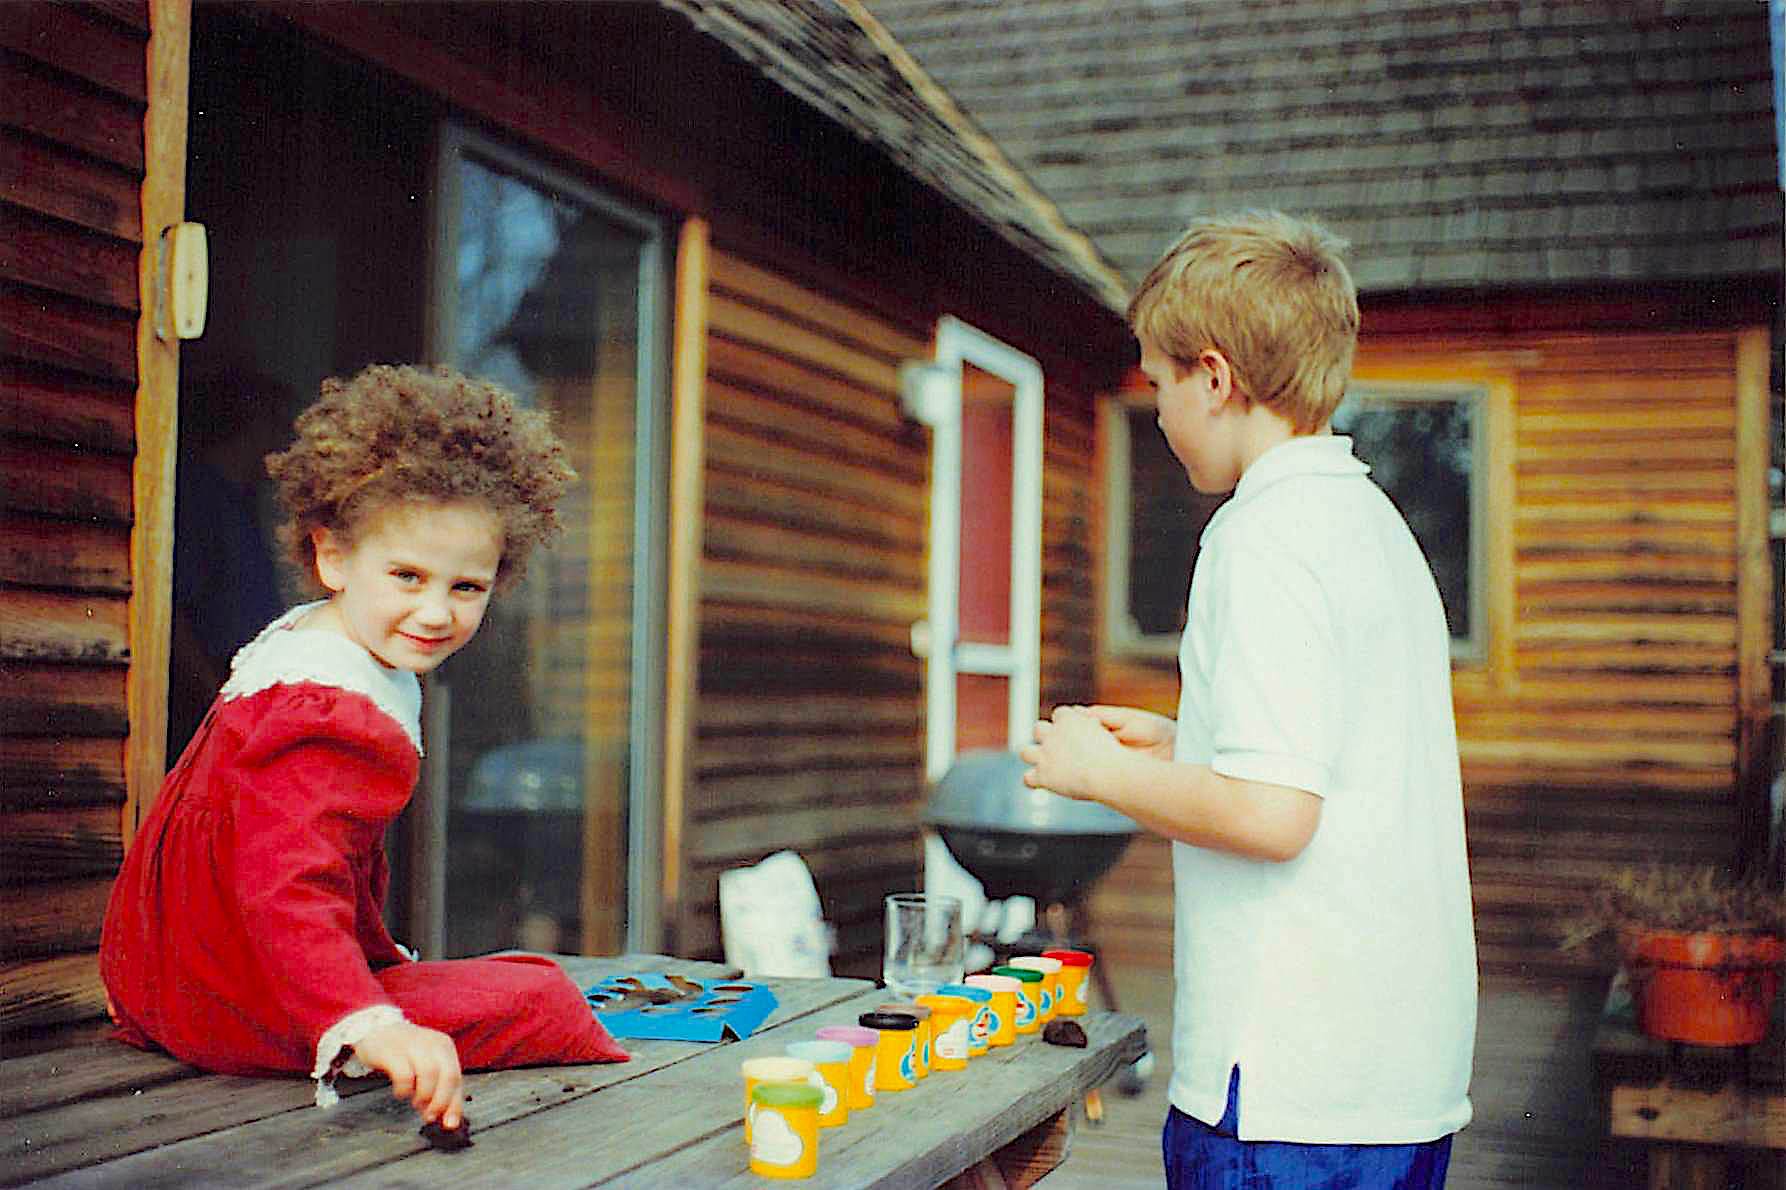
[(1070, 958)]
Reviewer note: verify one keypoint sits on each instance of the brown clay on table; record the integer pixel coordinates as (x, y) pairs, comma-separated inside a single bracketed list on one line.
[(1064, 1032), (448, 1140)]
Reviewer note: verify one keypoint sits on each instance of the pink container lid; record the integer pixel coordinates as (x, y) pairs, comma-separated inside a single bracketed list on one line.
[(856, 1035), (993, 983)]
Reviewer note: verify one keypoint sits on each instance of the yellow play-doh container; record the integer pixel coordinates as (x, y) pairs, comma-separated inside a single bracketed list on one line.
[(895, 1050), (1075, 966), (979, 1026), (831, 1075), (780, 1069), (860, 1090), (921, 1046), (785, 1141), (950, 1019), (1002, 1028), (1050, 969), (1029, 997)]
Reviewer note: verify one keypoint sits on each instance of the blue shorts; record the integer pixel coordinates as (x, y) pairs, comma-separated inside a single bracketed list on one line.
[(1199, 1157)]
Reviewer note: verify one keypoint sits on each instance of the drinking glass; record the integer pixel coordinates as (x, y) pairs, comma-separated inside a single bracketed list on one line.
[(926, 947)]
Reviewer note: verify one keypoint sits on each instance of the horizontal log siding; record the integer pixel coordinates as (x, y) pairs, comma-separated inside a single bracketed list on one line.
[(71, 172), (1613, 736), (810, 722)]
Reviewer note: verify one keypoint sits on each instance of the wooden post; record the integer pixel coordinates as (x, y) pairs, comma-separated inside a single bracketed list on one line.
[(1754, 593), (687, 462), (157, 415)]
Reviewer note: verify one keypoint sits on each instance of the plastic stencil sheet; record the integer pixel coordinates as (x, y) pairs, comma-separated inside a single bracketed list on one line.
[(678, 1008)]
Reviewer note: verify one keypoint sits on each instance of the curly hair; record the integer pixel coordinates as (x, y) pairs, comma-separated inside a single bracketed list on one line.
[(397, 435)]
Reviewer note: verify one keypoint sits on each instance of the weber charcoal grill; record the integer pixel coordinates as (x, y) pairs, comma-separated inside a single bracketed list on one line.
[(1019, 841)]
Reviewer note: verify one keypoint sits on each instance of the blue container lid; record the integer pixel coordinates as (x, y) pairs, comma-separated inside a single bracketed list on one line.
[(966, 991)]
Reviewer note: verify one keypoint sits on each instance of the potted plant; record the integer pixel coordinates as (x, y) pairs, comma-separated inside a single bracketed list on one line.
[(1702, 949)]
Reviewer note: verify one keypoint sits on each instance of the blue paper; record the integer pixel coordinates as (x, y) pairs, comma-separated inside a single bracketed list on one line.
[(705, 1010)]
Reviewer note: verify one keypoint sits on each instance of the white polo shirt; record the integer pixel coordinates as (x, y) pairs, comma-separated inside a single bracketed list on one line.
[(1341, 983)]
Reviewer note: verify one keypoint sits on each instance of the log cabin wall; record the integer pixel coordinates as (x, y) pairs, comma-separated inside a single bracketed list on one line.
[(1615, 720), (71, 179), (809, 732)]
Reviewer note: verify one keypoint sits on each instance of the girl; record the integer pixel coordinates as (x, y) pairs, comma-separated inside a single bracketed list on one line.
[(245, 932)]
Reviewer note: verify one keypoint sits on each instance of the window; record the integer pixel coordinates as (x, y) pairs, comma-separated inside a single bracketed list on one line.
[(1428, 443), (1423, 442)]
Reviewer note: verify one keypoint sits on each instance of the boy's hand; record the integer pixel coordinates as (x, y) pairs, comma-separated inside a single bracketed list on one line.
[(423, 1065), (1142, 731), (1071, 749)]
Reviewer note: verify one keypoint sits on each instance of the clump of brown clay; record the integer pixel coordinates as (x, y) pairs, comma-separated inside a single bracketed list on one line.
[(1064, 1032), (448, 1140)]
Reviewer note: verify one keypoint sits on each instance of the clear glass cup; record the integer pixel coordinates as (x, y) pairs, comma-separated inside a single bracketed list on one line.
[(926, 946)]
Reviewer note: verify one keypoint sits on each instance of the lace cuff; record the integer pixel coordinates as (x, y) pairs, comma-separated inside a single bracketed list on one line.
[(334, 1053)]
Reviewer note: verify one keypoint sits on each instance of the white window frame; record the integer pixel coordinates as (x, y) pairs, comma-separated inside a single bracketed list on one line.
[(931, 393)]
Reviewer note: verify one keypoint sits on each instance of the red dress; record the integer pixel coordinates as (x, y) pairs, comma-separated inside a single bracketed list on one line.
[(245, 933)]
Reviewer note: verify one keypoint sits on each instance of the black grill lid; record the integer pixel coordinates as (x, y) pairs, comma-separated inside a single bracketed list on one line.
[(984, 790)]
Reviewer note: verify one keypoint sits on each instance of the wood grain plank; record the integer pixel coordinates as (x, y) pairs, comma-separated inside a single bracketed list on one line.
[(66, 37), (61, 774), (764, 329), (71, 555), (45, 328), (735, 275), (39, 626), (70, 484), (60, 844), (69, 410), (55, 917), (48, 992), (105, 126), (69, 186), (65, 259), (62, 704)]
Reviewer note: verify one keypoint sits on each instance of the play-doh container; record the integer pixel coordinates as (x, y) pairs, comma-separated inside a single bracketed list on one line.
[(785, 1140), (831, 1074), (774, 1069), (950, 1019), (860, 1090), (1075, 967), (1002, 1028), (979, 1027), (895, 1050), (1050, 969), (1029, 997), (922, 1045)]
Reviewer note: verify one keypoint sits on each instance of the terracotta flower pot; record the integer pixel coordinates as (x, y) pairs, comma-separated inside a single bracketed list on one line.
[(1706, 989)]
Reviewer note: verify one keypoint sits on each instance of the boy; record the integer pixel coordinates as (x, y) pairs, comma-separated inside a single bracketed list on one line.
[(1324, 953)]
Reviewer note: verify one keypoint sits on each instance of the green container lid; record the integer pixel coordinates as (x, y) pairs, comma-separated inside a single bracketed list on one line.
[(1023, 973), (787, 1095)]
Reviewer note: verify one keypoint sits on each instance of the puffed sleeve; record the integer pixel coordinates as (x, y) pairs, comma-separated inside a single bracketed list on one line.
[(312, 790)]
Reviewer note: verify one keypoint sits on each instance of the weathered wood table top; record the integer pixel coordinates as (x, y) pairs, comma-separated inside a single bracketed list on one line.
[(98, 1113)]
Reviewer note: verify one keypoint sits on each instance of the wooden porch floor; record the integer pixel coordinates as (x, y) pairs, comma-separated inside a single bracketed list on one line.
[(1535, 1125)]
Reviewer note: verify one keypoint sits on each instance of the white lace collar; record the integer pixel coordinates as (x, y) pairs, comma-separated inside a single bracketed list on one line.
[(286, 654)]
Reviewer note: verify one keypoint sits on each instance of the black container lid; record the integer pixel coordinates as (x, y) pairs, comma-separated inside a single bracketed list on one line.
[(887, 1020)]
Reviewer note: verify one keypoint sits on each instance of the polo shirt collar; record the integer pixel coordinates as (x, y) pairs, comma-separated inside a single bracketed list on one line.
[(1310, 454)]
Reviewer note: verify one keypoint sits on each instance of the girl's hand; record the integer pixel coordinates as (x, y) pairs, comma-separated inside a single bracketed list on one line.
[(423, 1065), (1140, 730)]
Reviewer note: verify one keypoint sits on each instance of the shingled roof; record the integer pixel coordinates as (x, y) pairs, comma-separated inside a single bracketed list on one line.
[(1456, 143), (836, 57)]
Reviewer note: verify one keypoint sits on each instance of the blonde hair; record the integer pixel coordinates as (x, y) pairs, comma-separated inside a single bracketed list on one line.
[(1270, 293), (405, 435)]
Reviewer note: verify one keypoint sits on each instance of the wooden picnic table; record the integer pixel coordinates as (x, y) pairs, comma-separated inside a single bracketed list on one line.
[(96, 1112), (1707, 1117)]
